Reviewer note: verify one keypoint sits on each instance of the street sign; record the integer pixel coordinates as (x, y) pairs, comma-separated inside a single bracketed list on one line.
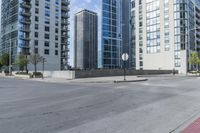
[(125, 57)]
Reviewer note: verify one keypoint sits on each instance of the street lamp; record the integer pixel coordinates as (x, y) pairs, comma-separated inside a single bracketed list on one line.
[(43, 61), (187, 50), (10, 57)]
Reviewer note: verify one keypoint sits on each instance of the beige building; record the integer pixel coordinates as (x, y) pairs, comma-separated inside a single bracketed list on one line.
[(164, 33)]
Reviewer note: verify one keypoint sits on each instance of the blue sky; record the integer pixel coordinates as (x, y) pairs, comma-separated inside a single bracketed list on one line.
[(77, 5)]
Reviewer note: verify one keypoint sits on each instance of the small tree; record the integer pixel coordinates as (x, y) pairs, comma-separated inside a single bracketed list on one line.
[(21, 62), (35, 59), (0, 64), (194, 60), (5, 59)]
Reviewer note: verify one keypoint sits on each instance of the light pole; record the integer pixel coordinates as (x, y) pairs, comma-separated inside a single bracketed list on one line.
[(10, 58), (187, 48), (43, 61)]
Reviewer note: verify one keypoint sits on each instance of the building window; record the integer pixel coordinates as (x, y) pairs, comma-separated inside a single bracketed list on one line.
[(56, 37), (36, 18), (47, 21), (36, 34), (36, 50), (46, 36), (56, 45), (56, 23), (36, 10), (56, 30), (36, 26), (47, 13), (56, 52), (47, 28), (37, 2), (36, 43), (46, 51), (47, 5), (153, 26), (46, 44)]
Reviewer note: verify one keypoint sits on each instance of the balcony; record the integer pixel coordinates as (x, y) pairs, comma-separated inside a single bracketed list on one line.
[(25, 29), (24, 38), (25, 13), (26, 0), (65, 8), (23, 45), (65, 16), (64, 22), (64, 29), (65, 2), (25, 5), (25, 21)]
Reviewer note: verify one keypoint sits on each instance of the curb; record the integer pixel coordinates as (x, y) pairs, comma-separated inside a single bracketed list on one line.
[(126, 81)]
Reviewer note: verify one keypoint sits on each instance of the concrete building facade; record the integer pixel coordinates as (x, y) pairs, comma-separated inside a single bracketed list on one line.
[(165, 33), (86, 40), (36, 26)]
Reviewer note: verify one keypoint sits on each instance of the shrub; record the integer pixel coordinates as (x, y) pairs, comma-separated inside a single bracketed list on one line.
[(22, 73), (6, 71), (37, 75)]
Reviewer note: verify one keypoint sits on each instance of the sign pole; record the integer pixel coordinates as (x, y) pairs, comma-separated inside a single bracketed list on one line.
[(125, 59), (124, 71)]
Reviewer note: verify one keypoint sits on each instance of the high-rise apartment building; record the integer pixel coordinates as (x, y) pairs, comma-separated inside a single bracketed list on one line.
[(36, 26), (126, 33), (86, 40), (165, 33), (115, 33)]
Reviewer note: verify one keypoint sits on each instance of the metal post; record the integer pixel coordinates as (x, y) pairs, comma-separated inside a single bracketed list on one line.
[(124, 71), (10, 58), (43, 68)]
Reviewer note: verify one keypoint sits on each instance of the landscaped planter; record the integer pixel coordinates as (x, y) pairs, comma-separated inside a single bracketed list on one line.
[(21, 76)]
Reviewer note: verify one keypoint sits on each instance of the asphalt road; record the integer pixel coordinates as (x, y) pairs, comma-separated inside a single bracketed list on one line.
[(160, 105)]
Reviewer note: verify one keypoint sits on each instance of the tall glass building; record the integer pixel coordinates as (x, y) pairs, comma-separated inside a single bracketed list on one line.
[(165, 33), (86, 40), (36, 26), (15, 26), (111, 33)]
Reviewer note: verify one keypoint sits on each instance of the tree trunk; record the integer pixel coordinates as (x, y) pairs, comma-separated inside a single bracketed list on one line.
[(35, 67)]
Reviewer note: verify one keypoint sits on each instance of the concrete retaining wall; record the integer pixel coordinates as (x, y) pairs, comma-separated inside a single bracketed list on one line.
[(60, 74), (101, 73), (116, 72)]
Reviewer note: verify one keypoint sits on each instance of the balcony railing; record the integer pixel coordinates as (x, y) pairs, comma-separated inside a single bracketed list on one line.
[(65, 2), (25, 21), (25, 13), (25, 5)]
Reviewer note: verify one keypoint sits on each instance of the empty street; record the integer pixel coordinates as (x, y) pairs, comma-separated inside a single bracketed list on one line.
[(162, 104)]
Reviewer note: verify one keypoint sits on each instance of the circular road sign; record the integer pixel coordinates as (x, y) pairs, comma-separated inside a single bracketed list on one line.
[(125, 57)]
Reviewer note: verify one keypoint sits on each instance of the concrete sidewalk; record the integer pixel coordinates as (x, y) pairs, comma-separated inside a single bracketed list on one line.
[(93, 80)]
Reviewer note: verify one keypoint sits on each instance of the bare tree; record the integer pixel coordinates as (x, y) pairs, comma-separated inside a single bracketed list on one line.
[(35, 59)]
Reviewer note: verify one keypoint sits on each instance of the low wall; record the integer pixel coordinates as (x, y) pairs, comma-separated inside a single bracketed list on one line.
[(101, 73), (60, 74), (117, 72)]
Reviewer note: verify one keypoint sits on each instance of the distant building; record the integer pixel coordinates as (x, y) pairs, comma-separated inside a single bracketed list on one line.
[(165, 33), (86, 40), (115, 32), (39, 26), (126, 32)]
